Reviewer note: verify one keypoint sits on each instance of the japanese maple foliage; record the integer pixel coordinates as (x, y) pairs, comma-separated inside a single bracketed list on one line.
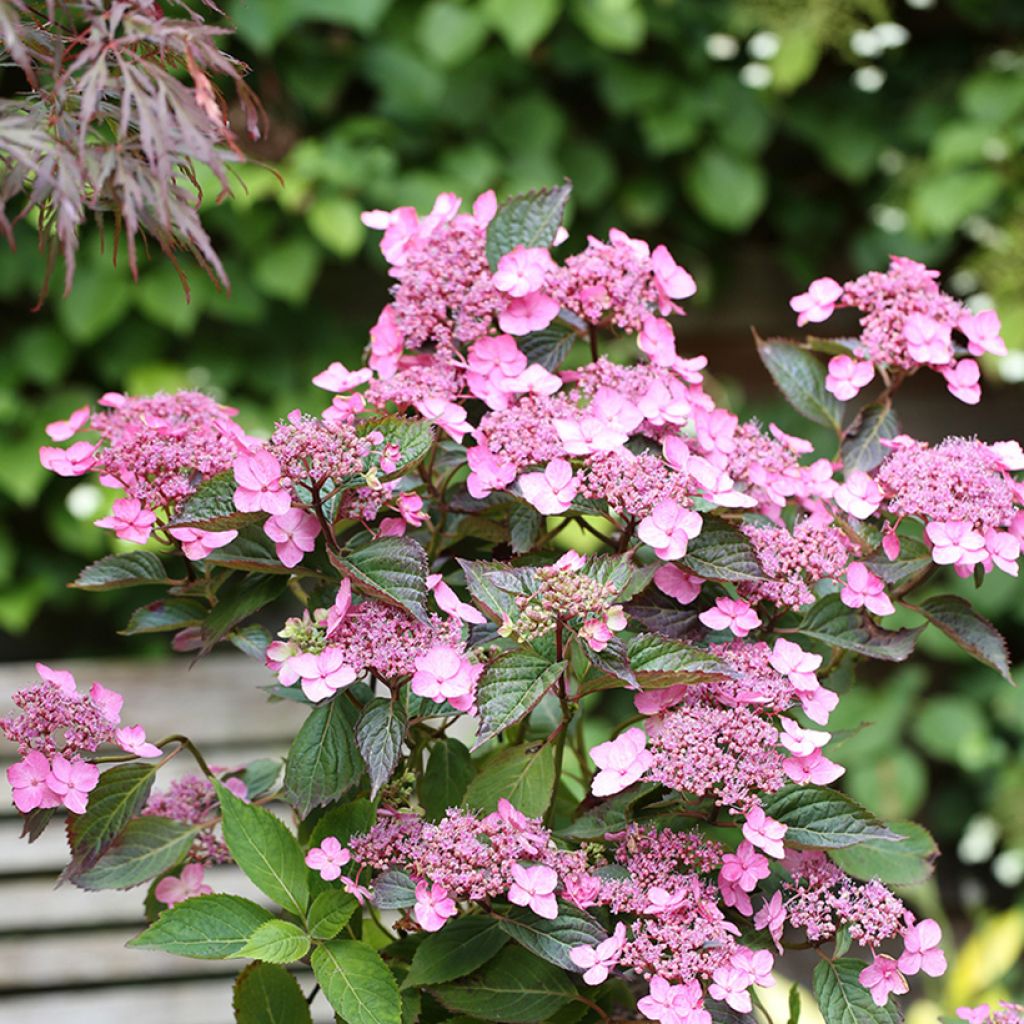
[(664, 867)]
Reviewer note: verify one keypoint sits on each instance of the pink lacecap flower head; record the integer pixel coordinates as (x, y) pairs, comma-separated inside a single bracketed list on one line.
[(864, 589), (921, 951), (176, 889), (746, 867), (75, 460), (797, 445), (443, 674), (597, 961), (523, 271), (133, 740), (928, 340), (72, 781), (764, 832), (552, 491), (450, 603), (669, 529), (622, 761), (772, 917), (572, 561), (982, 331), (534, 887), (386, 344), (975, 1014), (129, 520), (963, 381), (677, 583), (449, 416), (64, 430), (340, 379), (674, 1004), (818, 303), (433, 906), (847, 376), (486, 472), (109, 702), (1003, 549), (328, 858), (858, 495), (496, 353), (258, 476), (955, 543), (28, 779), (294, 533), (733, 614), (323, 674), (813, 768), (199, 544), (528, 313), (882, 977), (799, 666)]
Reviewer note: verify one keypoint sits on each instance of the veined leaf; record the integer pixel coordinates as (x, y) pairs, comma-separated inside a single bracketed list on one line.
[(907, 863), (825, 818), (462, 946), (510, 688), (133, 569), (721, 552), (392, 569), (379, 734), (119, 795), (863, 448), (165, 616), (801, 379), (843, 1000), (449, 772), (212, 506), (213, 927), (323, 762), (268, 994), (357, 983), (831, 622), (971, 631), (145, 848), (276, 942), (531, 220), (524, 775), (552, 940), (330, 912)]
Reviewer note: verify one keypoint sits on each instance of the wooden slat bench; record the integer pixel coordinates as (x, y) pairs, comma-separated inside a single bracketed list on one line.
[(62, 950)]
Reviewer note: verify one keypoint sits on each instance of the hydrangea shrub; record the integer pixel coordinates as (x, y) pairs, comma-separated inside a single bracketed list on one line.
[(458, 833)]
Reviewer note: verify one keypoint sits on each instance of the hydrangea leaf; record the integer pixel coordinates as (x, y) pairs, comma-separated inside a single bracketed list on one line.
[(831, 622), (145, 848), (525, 526), (552, 940), (971, 631), (323, 763), (842, 999), (907, 863), (330, 912), (721, 552), (237, 601), (133, 569), (801, 379), (462, 946), (515, 987), (524, 775), (663, 614), (276, 942), (862, 448), (268, 994), (213, 927), (394, 890), (531, 220), (449, 772), (165, 616), (266, 851), (212, 506), (414, 438), (549, 347), (392, 569), (825, 818), (379, 734), (511, 688), (357, 983)]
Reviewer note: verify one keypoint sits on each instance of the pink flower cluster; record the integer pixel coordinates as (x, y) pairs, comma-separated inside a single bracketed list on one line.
[(56, 724), (192, 800)]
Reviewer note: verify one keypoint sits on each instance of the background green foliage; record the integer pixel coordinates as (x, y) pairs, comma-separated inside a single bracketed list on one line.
[(729, 129)]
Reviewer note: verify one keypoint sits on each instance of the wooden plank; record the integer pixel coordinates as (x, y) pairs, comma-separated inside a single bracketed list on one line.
[(205, 1001), (216, 701)]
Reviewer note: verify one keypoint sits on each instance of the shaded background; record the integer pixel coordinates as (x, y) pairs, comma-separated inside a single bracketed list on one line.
[(766, 142)]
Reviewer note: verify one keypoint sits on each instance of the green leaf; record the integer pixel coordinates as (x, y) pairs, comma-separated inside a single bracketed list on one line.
[(970, 631), (266, 851), (612, 664), (393, 569), (516, 987), (205, 927), (663, 614), (134, 569), (524, 775), (147, 847), (414, 438), (843, 1000), (268, 994), (522, 25), (831, 622), (800, 377), (914, 561), (449, 772), (450, 33), (721, 552), (251, 551), (907, 863), (276, 942), (237, 602), (323, 762), (344, 821), (212, 506), (549, 347), (656, 662), (863, 448), (611, 815), (357, 983), (165, 616), (728, 190), (462, 946), (330, 912), (380, 732), (510, 688), (482, 580), (552, 940), (334, 222), (525, 526), (394, 890), (119, 795), (531, 220), (825, 819)]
